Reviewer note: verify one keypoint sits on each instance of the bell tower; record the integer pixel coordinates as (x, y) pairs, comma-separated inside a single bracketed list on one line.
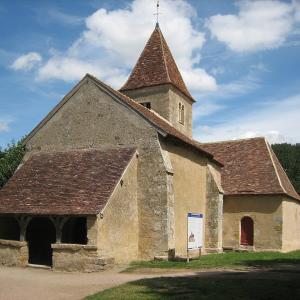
[(156, 83)]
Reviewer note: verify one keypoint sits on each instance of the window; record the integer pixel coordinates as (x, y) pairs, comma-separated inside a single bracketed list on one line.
[(146, 104), (181, 114)]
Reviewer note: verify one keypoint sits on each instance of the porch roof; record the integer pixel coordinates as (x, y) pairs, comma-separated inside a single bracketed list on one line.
[(75, 182)]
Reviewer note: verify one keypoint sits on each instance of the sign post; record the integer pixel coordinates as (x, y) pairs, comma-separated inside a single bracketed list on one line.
[(194, 232)]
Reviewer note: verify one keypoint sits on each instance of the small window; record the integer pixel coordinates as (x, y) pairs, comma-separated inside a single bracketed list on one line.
[(181, 114), (146, 104)]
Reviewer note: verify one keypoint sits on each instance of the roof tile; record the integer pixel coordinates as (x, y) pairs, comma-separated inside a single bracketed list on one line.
[(156, 66), (250, 167), (65, 183)]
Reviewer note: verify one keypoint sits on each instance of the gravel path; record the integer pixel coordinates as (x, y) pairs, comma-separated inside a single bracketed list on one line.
[(37, 284)]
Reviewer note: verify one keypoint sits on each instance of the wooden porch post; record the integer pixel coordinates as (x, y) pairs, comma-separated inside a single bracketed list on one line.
[(23, 222), (59, 223)]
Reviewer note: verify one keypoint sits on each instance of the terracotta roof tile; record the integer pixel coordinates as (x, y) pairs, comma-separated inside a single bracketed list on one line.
[(250, 167), (156, 66), (63, 183)]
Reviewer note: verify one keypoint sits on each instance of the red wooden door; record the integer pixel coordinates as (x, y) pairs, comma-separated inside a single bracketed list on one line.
[(247, 227)]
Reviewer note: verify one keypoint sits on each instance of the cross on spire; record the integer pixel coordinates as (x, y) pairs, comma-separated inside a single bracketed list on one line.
[(157, 13)]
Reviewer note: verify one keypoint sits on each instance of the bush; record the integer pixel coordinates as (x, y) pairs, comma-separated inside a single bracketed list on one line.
[(10, 159)]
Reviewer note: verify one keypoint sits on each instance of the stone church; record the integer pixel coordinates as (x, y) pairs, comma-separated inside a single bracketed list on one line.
[(110, 176)]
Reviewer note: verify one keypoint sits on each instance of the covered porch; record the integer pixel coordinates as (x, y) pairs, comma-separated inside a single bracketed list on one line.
[(50, 210), (60, 242)]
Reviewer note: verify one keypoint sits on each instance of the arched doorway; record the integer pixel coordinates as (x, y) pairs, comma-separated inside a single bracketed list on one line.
[(247, 231), (9, 229), (75, 231), (40, 234)]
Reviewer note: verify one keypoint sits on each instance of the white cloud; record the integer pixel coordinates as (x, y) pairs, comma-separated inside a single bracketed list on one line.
[(259, 25), (233, 89), (296, 4), (278, 121), (113, 39), (67, 69), (57, 16), (27, 61), (4, 126), (205, 108)]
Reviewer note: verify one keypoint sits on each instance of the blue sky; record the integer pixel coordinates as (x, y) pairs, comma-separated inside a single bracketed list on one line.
[(240, 59)]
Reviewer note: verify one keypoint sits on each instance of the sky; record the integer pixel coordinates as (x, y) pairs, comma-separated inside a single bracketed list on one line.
[(239, 59)]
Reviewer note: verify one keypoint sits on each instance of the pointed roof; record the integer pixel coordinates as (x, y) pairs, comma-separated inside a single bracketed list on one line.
[(251, 167), (156, 66)]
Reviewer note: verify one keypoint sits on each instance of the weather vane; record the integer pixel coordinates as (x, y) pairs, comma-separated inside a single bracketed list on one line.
[(157, 12)]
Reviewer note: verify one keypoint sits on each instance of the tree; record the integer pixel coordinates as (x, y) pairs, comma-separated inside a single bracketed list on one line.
[(10, 159), (289, 157)]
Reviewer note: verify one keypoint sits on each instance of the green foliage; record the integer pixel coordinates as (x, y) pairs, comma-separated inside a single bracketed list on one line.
[(10, 158), (289, 157)]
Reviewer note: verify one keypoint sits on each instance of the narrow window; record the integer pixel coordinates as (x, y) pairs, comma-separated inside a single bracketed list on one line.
[(182, 114), (179, 113), (146, 104)]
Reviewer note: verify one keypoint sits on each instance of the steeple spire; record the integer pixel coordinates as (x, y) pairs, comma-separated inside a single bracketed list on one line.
[(156, 66), (157, 13)]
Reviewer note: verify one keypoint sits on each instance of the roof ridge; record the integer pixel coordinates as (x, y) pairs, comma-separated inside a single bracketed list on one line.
[(163, 53), (274, 166), (292, 193), (232, 141), (144, 49)]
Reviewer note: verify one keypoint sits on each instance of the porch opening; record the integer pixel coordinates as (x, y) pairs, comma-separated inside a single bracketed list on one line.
[(9, 229), (40, 234), (247, 231), (75, 231)]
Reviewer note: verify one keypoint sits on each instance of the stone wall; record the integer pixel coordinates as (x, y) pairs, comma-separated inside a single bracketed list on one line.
[(74, 257), (90, 117), (266, 212), (214, 212), (118, 225), (13, 253), (175, 98), (92, 230), (157, 95), (291, 224), (189, 186), (165, 101)]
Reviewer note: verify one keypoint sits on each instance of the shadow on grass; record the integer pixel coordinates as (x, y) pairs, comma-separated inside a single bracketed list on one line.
[(231, 285), (265, 263)]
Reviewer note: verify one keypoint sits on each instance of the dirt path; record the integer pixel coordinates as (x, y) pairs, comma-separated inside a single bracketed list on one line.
[(36, 284)]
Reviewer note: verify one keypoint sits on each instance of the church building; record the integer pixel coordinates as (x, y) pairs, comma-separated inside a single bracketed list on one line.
[(110, 176)]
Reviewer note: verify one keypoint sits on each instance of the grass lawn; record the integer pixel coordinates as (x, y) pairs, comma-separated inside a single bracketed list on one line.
[(265, 284), (204, 288), (224, 260)]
